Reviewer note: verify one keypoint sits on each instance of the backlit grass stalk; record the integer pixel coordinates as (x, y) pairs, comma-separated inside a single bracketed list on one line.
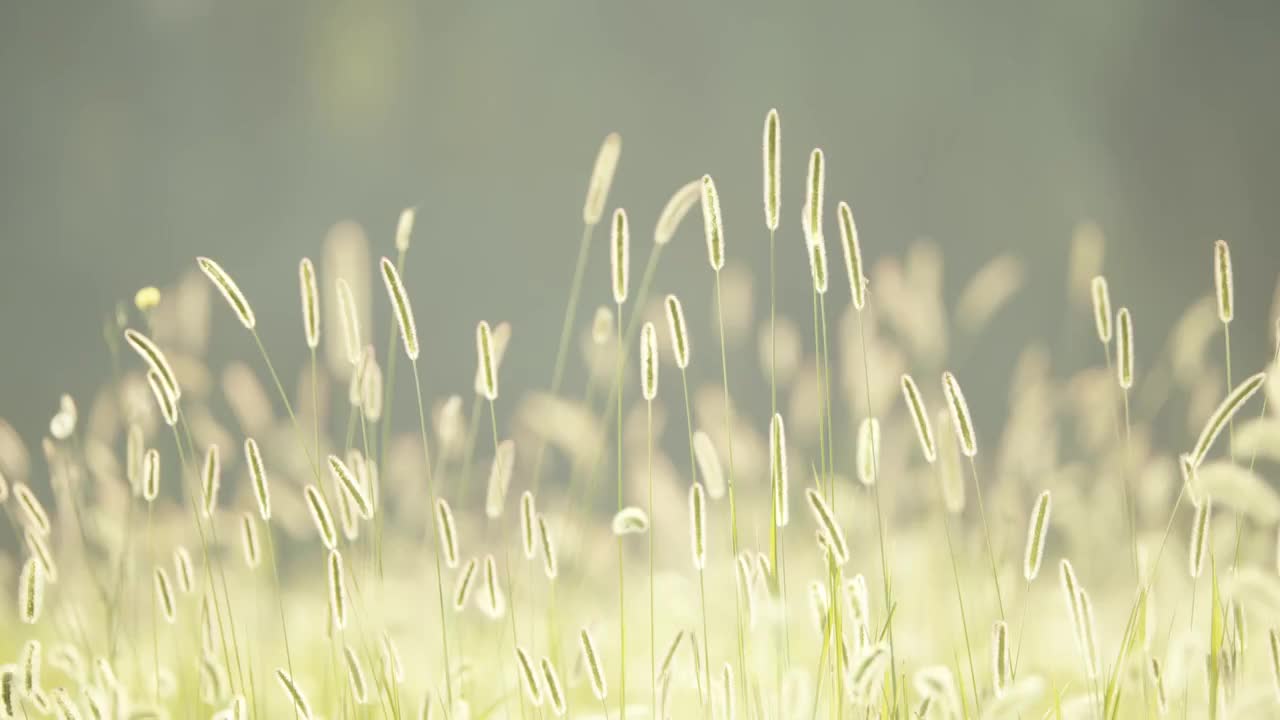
[(714, 229), (924, 432), (620, 267), (852, 250), (966, 435), (649, 389), (1124, 367), (409, 334)]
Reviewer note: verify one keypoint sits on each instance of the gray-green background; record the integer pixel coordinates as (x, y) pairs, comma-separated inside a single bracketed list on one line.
[(135, 134)]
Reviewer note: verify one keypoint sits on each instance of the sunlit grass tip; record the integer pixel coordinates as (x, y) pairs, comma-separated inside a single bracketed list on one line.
[(679, 332), (620, 256), (601, 178), (1222, 278), (1200, 536), (1223, 414), (712, 225), (829, 526), (814, 191), (236, 299), (504, 460), (674, 212), (484, 355), (960, 418), (321, 516), (868, 450), (310, 302), (1124, 352), (772, 147), (258, 475), (1101, 309), (403, 310), (924, 431), (448, 534), (698, 526), (649, 361), (294, 694), (852, 255), (1036, 533), (599, 687), (404, 228), (630, 521), (778, 472), (337, 589)]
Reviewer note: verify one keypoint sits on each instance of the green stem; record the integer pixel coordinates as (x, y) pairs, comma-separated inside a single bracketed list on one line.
[(732, 480)]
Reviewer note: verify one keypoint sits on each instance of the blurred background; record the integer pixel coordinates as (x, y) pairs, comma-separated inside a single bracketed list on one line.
[(137, 134)]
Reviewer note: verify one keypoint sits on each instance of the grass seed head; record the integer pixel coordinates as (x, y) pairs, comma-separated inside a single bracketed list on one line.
[(712, 225), (601, 178), (403, 310), (674, 212), (1223, 282), (310, 302), (620, 257), (236, 299), (679, 332), (772, 146)]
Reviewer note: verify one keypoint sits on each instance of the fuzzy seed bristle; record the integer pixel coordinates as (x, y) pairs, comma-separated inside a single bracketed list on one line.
[(1223, 414), (1102, 309), (350, 322), (852, 255), (815, 189), (924, 431), (828, 525), (601, 178), (960, 418), (649, 361), (337, 590), (404, 228), (504, 460), (554, 693), (164, 593), (258, 474), (532, 688), (630, 521), (1222, 281), (674, 212), (704, 452), (868, 451), (1036, 534), (598, 685), (236, 299), (462, 588), (712, 225), (31, 591), (151, 475), (448, 535), (620, 257), (550, 566), (321, 517), (778, 471), (528, 522), (1200, 535), (350, 486), (1124, 353), (249, 540), (698, 526), (296, 698), (310, 302), (403, 310), (155, 359), (679, 333), (212, 481)]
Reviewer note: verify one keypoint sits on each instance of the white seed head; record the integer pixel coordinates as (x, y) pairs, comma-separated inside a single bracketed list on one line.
[(355, 677), (350, 322), (236, 299), (166, 402), (960, 418), (1102, 309), (679, 332), (487, 368), (550, 566), (151, 475), (1036, 533), (403, 310), (852, 256), (249, 541), (258, 474), (602, 325), (674, 212), (704, 452), (712, 225), (828, 527), (1124, 370), (554, 692), (649, 361), (1001, 662), (1223, 282), (599, 687), (817, 248), (814, 191), (310, 302), (31, 591), (868, 451), (698, 526), (778, 471), (296, 698), (1200, 535), (164, 593), (772, 146), (528, 524), (462, 588), (337, 590), (211, 481), (1223, 414), (504, 460), (924, 431), (532, 688), (321, 517), (404, 228), (155, 359), (620, 257), (630, 521), (447, 534), (601, 178), (350, 486)]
